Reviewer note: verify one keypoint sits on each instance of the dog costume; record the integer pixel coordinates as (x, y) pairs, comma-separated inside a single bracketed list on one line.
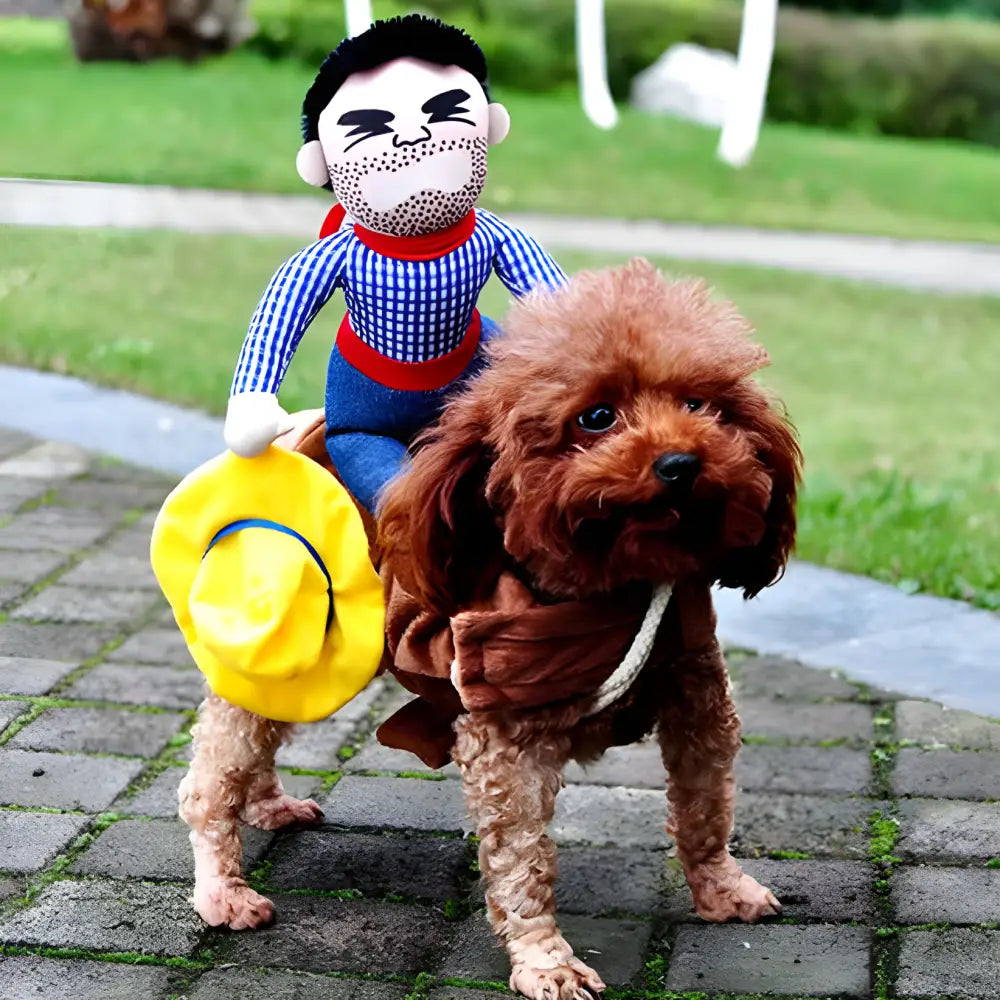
[(397, 124)]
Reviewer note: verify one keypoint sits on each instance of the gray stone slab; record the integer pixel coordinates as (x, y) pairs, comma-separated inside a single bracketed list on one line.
[(319, 934), (147, 432), (636, 766), (12, 888), (615, 949), (30, 841), (820, 826), (26, 977), (164, 646), (813, 606), (434, 868), (16, 492), (132, 541), (314, 746), (786, 680), (95, 730), (374, 757), (107, 570), (272, 984), (930, 724), (396, 804), (960, 963), (159, 799), (121, 495), (135, 684), (601, 815), (63, 781), (10, 594), (776, 959), (805, 721), (54, 642), (914, 657), (63, 529), (47, 461), (461, 993), (817, 890), (154, 849), (14, 442), (948, 831), (29, 567), (10, 710), (933, 895), (610, 881), (648, 883), (86, 604), (108, 916), (803, 769), (947, 774), (19, 675)]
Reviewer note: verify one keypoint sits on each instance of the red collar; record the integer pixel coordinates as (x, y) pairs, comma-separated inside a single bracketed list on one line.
[(419, 247)]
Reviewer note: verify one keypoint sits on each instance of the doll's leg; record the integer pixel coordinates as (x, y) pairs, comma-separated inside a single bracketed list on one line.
[(510, 791), (233, 754), (365, 462)]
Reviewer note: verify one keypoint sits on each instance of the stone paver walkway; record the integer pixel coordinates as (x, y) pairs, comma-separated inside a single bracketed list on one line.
[(873, 816), (932, 266)]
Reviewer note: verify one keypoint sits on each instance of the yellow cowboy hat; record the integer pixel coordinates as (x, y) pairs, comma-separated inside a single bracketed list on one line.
[(265, 563)]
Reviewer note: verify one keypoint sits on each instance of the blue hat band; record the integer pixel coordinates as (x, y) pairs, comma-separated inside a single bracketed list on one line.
[(260, 522)]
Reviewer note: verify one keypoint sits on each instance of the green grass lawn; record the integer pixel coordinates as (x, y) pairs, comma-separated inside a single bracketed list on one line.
[(232, 122), (894, 392)]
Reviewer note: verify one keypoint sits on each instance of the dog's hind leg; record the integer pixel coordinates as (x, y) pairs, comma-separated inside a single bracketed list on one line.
[(699, 734), (233, 756), (510, 791)]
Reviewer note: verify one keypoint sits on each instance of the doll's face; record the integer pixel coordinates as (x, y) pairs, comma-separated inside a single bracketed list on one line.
[(405, 146)]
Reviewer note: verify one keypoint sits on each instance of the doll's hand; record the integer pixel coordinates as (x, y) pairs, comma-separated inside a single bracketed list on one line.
[(253, 421)]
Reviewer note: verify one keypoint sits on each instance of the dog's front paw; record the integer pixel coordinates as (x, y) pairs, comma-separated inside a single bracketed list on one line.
[(571, 980), (232, 902), (281, 810), (722, 892)]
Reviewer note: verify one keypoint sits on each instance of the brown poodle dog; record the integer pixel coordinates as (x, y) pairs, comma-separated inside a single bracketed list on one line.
[(615, 447), (615, 444)]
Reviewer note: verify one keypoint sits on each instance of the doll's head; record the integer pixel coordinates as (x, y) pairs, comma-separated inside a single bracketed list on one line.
[(397, 123)]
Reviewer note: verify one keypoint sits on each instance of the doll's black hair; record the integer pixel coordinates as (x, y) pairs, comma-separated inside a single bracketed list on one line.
[(414, 36)]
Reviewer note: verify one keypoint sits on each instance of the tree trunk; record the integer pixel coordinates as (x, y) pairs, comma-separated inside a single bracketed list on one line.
[(138, 30)]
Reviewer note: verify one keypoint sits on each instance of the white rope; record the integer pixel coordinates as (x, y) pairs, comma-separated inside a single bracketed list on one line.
[(635, 659)]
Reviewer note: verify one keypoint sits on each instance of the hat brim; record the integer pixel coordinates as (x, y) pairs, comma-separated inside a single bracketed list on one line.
[(286, 487)]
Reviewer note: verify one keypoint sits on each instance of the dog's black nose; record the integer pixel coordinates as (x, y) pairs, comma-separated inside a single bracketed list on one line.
[(677, 468)]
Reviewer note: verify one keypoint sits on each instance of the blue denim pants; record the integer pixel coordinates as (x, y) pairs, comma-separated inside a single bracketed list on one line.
[(370, 426)]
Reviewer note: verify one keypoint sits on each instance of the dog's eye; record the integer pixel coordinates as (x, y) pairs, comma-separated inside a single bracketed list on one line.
[(597, 419), (694, 405)]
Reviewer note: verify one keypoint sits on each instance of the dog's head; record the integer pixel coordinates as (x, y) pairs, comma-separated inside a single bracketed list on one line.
[(617, 435)]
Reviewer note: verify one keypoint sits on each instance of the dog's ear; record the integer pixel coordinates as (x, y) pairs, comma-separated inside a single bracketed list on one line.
[(757, 566), (436, 532)]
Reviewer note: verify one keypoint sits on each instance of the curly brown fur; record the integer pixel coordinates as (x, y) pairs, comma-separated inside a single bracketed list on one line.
[(509, 478), (232, 781)]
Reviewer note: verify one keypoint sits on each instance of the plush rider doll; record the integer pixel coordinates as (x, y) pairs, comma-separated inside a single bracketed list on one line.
[(397, 124)]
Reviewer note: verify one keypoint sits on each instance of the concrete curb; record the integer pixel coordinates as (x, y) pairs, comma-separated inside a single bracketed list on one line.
[(963, 268), (823, 618)]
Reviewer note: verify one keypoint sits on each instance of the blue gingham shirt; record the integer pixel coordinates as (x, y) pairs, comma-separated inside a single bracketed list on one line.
[(407, 310)]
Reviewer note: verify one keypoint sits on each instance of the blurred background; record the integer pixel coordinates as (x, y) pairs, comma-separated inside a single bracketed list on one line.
[(882, 119)]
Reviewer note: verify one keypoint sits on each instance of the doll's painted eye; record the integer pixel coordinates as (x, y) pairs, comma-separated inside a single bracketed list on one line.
[(367, 122), (597, 419), (447, 107), (694, 405)]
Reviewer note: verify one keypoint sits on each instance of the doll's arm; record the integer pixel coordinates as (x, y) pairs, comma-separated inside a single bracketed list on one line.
[(520, 262), (294, 296)]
